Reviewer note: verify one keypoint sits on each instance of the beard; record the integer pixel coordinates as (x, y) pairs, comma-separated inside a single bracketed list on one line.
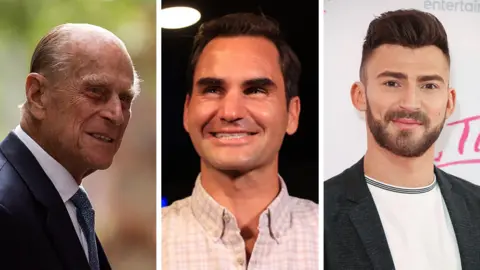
[(403, 143)]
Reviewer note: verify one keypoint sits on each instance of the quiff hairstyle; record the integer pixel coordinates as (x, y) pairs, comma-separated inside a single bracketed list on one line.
[(405, 27)]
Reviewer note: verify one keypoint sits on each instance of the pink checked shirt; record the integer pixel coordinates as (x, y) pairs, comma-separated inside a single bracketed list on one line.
[(198, 233)]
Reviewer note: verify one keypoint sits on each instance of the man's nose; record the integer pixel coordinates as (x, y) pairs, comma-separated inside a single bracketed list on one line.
[(114, 111), (410, 98), (232, 106)]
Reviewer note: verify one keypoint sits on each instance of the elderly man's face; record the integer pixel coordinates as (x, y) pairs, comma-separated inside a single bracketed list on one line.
[(87, 113)]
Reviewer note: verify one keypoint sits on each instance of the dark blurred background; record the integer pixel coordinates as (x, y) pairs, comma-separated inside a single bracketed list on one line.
[(299, 153)]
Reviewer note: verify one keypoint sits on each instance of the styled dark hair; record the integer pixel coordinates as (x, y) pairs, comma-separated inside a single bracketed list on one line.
[(406, 27), (248, 24)]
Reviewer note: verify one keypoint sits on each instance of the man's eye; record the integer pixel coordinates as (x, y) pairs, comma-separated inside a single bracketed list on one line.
[(211, 90), (126, 99), (255, 90), (430, 86), (95, 90), (392, 84)]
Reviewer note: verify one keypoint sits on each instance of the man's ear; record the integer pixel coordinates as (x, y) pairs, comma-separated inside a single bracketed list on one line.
[(35, 87), (452, 101), (185, 112), (293, 115), (358, 96)]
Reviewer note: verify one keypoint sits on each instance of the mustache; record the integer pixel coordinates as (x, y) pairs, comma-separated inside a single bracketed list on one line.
[(417, 116)]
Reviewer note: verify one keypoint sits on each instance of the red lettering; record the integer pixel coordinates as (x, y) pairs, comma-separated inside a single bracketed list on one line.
[(461, 144), (477, 144), (459, 162), (466, 130), (439, 157)]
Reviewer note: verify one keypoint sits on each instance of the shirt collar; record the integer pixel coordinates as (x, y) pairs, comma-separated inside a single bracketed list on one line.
[(211, 215), (60, 177)]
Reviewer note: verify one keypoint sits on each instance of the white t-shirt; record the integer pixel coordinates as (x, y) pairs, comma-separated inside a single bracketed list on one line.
[(417, 226)]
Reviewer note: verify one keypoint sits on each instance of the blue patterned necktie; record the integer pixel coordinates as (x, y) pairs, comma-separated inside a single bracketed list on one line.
[(86, 219)]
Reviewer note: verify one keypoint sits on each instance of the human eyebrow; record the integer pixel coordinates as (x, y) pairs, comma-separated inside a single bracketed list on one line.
[(95, 80), (259, 82), (433, 77), (210, 81), (396, 75)]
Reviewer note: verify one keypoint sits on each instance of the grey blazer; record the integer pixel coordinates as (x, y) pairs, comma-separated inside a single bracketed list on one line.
[(353, 234)]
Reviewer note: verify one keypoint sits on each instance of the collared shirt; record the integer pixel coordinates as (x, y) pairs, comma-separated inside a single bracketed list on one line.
[(198, 233), (60, 177)]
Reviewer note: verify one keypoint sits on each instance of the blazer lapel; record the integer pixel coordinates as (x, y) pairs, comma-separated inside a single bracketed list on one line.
[(466, 231), (366, 220), (58, 223)]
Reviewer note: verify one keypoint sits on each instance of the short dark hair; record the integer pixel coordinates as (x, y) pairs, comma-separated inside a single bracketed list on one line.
[(248, 24), (406, 27)]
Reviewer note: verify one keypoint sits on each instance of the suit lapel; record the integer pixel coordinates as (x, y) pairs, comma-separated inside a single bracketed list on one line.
[(102, 258), (366, 220), (466, 231), (58, 223), (65, 239)]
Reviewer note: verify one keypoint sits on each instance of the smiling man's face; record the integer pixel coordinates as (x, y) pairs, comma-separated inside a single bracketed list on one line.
[(237, 113), (407, 97)]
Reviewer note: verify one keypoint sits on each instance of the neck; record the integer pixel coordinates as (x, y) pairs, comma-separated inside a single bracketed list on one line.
[(32, 129), (246, 196), (389, 168)]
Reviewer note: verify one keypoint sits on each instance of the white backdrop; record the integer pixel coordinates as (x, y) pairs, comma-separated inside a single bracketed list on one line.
[(345, 25)]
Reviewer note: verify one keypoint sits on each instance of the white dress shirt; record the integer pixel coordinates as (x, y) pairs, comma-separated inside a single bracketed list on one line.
[(60, 177)]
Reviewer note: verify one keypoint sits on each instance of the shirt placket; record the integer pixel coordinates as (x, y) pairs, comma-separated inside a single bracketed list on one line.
[(260, 253), (234, 242)]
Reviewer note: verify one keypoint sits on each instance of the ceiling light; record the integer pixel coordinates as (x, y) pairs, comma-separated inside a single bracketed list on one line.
[(178, 17)]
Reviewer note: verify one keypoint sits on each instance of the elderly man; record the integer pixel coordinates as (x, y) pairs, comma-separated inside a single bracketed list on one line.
[(78, 103)]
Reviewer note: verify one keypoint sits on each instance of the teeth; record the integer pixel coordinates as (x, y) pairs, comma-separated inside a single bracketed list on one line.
[(103, 138), (231, 135)]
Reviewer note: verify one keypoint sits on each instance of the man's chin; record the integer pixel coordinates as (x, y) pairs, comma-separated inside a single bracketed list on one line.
[(407, 148), (230, 166), (100, 164), (88, 172)]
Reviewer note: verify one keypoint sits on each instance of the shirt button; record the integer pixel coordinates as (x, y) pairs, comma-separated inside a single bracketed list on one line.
[(240, 261), (226, 218)]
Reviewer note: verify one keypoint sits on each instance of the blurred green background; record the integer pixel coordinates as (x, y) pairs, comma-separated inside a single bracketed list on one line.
[(123, 195)]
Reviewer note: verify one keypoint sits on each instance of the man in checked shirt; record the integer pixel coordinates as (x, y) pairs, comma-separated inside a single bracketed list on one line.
[(243, 99)]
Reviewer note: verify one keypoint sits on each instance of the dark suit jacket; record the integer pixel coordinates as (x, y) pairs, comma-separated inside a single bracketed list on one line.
[(354, 236), (36, 231)]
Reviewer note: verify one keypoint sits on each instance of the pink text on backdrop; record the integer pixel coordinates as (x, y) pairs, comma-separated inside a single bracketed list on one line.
[(466, 136)]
